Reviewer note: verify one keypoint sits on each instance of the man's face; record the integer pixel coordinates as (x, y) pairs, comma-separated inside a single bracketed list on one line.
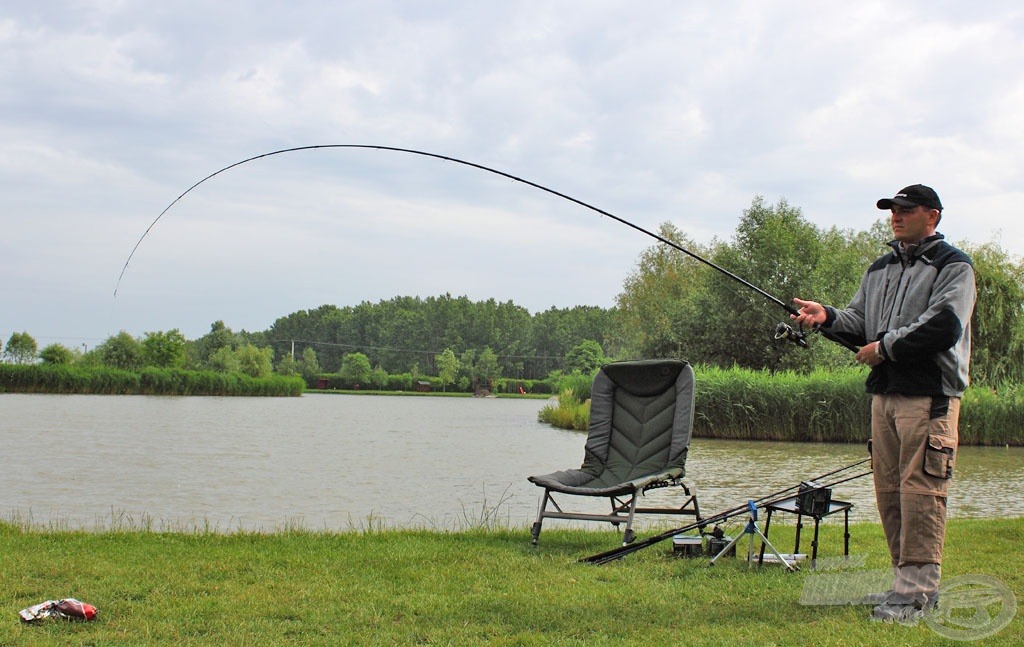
[(911, 224)]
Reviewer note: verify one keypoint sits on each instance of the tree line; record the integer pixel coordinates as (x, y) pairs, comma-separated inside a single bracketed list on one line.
[(389, 345), (670, 305), (408, 334)]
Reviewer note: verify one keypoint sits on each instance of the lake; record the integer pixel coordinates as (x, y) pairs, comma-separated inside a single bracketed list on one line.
[(346, 462)]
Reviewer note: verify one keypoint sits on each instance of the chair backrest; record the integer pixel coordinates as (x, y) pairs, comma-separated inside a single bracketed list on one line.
[(641, 418)]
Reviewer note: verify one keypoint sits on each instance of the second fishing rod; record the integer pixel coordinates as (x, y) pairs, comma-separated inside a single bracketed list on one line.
[(820, 483)]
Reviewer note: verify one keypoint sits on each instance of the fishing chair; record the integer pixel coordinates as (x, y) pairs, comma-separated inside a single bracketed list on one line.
[(641, 417)]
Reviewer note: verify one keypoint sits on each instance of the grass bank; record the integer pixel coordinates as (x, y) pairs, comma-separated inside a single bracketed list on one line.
[(475, 587), (823, 406)]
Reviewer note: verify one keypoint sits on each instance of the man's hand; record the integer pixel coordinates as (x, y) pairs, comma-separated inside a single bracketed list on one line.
[(870, 354), (811, 313)]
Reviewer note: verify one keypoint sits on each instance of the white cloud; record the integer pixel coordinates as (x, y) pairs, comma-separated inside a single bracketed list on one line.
[(659, 111)]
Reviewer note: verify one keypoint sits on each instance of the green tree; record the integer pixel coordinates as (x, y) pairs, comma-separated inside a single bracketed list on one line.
[(355, 369), (57, 354), (309, 366), (447, 367), (21, 348), (91, 358), (658, 302), (674, 305), (846, 255), (122, 351), (200, 352), (777, 250), (287, 365), (487, 369), (467, 368), (164, 349), (399, 331), (556, 330), (379, 377), (224, 360), (997, 327), (585, 357), (255, 362)]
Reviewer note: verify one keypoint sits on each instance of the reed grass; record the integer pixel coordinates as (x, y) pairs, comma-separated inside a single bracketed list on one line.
[(822, 406), (475, 587), (993, 416), (568, 413), (40, 378)]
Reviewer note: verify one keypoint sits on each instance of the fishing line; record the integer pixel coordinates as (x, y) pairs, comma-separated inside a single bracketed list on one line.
[(794, 335)]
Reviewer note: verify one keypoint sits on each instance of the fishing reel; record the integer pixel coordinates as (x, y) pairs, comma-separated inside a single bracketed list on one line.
[(787, 332)]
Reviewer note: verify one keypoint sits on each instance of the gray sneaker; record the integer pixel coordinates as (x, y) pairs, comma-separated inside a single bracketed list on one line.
[(905, 614)]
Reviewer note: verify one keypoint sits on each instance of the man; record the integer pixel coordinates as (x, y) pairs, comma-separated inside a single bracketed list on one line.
[(911, 318)]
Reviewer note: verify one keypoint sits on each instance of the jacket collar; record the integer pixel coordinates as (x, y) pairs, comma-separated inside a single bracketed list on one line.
[(911, 252)]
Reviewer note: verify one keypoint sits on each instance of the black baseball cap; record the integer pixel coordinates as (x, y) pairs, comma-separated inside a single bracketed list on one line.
[(912, 196)]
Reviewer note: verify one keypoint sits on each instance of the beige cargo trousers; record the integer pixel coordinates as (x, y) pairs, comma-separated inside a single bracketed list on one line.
[(913, 450)]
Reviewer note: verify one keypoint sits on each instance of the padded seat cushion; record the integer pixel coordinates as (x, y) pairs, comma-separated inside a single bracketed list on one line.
[(587, 484), (641, 414)]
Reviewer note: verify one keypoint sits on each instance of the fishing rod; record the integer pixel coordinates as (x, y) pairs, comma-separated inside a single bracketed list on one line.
[(783, 331), (768, 499)]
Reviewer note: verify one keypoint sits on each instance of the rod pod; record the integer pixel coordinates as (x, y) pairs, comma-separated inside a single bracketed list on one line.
[(769, 499)]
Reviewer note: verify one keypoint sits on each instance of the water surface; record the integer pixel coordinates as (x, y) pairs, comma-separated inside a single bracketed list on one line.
[(343, 462)]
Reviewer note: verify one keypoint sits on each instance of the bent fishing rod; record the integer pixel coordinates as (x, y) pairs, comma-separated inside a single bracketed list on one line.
[(767, 500), (783, 331)]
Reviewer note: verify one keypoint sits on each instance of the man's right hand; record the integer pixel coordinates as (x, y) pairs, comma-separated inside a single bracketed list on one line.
[(811, 313)]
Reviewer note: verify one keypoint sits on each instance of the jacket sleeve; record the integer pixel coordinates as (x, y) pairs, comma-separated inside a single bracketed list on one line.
[(848, 323)]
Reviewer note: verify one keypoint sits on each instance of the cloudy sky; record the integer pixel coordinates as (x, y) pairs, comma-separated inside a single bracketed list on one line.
[(653, 111)]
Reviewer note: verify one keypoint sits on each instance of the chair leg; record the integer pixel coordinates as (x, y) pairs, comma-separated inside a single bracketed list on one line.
[(535, 530), (629, 536), (624, 509), (696, 506)]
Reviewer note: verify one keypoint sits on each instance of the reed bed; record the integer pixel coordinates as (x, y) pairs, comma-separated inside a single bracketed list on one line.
[(569, 413), (39, 378), (822, 406), (993, 416), (758, 405)]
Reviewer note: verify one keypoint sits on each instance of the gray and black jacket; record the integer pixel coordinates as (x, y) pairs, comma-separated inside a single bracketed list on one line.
[(918, 304)]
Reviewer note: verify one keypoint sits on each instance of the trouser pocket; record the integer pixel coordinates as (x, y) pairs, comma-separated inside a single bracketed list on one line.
[(938, 458), (938, 455)]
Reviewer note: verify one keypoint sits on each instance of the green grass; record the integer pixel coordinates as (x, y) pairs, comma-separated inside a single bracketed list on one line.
[(473, 587)]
